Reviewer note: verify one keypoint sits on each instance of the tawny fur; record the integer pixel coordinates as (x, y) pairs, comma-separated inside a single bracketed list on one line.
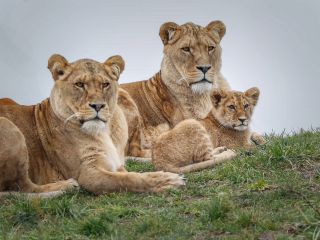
[(194, 145), (177, 93), (7, 101), (63, 142)]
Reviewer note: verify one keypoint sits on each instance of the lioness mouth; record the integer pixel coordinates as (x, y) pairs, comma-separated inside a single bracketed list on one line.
[(93, 119), (202, 81)]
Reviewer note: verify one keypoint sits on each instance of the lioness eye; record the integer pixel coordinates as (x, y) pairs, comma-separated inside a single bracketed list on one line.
[(232, 107), (210, 48), (186, 49), (105, 85), (246, 106), (80, 84)]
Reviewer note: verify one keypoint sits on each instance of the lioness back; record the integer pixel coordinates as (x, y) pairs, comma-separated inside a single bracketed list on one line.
[(7, 101)]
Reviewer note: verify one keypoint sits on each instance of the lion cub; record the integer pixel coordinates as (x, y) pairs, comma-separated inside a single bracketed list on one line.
[(194, 145)]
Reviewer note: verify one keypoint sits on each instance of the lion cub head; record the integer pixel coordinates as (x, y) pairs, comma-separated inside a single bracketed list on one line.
[(192, 54), (85, 91), (234, 109)]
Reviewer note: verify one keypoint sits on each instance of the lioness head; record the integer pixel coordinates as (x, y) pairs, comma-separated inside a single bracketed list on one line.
[(234, 109), (85, 91), (192, 54)]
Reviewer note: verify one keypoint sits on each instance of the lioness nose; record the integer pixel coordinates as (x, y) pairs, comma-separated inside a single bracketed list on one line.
[(97, 107), (204, 69), (242, 119)]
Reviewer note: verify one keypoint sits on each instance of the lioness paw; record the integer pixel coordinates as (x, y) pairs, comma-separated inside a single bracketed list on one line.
[(160, 181), (70, 184)]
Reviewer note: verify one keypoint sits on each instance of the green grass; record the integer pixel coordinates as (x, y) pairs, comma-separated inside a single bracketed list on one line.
[(272, 191)]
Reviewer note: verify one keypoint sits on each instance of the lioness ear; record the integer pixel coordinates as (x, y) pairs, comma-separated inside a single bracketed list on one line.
[(168, 33), (253, 95), (217, 95), (57, 65), (217, 28), (116, 64)]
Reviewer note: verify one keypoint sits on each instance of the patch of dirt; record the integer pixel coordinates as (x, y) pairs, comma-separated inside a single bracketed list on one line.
[(310, 170), (267, 236)]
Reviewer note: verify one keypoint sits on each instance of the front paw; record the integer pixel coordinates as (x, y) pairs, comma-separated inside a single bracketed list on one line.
[(228, 154), (70, 184), (257, 139), (160, 181), (219, 150)]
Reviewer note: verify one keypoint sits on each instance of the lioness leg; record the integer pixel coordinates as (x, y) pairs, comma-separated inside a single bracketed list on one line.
[(14, 163), (99, 181)]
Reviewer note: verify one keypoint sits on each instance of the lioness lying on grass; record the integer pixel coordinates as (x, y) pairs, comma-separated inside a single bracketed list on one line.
[(75, 137), (194, 145), (190, 69)]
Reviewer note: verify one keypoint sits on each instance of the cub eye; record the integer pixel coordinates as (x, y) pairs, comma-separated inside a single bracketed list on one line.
[(246, 106), (105, 85), (186, 49), (79, 84), (232, 107), (211, 48)]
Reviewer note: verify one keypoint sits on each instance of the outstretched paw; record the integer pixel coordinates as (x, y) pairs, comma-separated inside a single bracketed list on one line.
[(70, 184), (226, 155), (258, 139), (160, 181), (219, 150)]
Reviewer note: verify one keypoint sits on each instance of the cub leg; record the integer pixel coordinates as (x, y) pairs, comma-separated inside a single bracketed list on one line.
[(14, 163), (215, 159)]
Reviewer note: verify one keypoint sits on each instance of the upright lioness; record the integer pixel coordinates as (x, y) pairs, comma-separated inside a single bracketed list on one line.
[(194, 145), (77, 136), (190, 69)]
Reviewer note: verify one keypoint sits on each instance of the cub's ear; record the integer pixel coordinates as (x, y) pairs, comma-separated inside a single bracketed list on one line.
[(217, 95), (115, 66), (217, 28), (253, 95), (168, 32), (57, 65)]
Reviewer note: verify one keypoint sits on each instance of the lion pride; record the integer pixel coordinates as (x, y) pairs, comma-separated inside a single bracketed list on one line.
[(190, 70), (75, 137)]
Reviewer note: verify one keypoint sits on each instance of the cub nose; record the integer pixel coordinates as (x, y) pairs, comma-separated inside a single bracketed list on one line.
[(97, 107), (242, 119), (204, 69)]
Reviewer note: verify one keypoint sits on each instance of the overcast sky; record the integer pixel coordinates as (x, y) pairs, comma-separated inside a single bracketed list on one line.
[(274, 45)]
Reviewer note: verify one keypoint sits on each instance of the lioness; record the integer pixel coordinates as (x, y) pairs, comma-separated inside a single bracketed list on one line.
[(194, 145), (77, 136), (190, 69)]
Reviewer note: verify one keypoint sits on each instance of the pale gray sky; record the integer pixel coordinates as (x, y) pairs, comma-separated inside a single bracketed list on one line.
[(274, 45)]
